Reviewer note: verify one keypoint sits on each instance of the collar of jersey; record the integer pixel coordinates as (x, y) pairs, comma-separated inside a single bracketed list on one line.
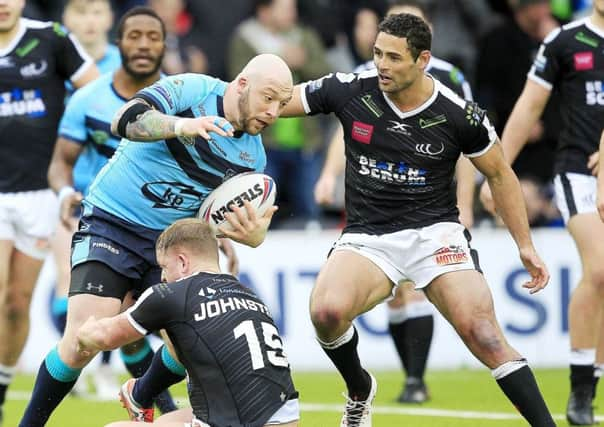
[(429, 101)]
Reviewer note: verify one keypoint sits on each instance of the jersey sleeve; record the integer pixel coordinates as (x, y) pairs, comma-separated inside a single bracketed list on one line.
[(72, 59), (174, 94), (546, 65), (329, 93), (476, 134), (157, 306), (73, 122)]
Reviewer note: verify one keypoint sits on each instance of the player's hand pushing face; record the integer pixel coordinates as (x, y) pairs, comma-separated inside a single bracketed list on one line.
[(202, 126), (536, 268), (248, 228)]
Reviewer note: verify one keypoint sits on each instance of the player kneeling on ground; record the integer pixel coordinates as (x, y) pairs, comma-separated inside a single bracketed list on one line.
[(221, 331)]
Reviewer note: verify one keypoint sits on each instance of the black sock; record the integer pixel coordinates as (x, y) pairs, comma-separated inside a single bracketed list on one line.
[(397, 332), (521, 389), (106, 357), (49, 390), (3, 388), (418, 338), (163, 372), (581, 375), (343, 354), (137, 365)]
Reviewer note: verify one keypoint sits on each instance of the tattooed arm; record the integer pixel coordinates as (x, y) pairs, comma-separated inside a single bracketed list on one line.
[(138, 121)]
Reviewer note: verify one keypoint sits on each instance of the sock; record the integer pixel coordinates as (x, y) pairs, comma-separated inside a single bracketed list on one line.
[(582, 362), (396, 327), (6, 377), (516, 380), (163, 372), (59, 314), (343, 353), (137, 364), (106, 357), (598, 372), (53, 382)]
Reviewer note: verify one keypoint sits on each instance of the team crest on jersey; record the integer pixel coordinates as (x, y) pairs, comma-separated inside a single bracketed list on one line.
[(361, 132), (584, 61), (400, 128), (474, 114), (449, 255), (430, 150)]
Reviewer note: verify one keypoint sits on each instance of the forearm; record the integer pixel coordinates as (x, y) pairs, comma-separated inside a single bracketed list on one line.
[(509, 202), (104, 334), (152, 126), (466, 185), (60, 175), (335, 161)]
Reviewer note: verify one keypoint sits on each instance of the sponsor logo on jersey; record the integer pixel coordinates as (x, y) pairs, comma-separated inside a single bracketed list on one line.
[(540, 59), (432, 121), (170, 194), (584, 61), (450, 255), (583, 38), (594, 95), (474, 114), (246, 157), (398, 172), (34, 69), (315, 85), (371, 105), (22, 103), (429, 150), (28, 47), (7, 62), (361, 132), (400, 128)]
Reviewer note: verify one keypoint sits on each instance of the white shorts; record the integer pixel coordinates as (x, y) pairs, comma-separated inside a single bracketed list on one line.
[(29, 219), (289, 412), (417, 255), (575, 194)]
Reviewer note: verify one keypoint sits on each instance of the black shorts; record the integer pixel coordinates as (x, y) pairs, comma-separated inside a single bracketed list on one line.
[(96, 278)]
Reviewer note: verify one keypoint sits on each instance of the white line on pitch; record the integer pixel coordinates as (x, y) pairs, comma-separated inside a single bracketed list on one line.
[(377, 409)]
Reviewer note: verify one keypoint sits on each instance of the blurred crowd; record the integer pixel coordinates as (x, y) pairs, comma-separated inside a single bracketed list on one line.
[(492, 41)]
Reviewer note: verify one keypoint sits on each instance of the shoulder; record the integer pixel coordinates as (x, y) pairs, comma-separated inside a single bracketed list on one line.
[(45, 29), (449, 99)]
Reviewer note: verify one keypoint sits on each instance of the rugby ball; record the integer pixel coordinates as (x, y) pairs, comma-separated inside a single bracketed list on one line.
[(257, 188)]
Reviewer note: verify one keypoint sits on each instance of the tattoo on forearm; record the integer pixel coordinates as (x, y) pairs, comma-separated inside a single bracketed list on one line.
[(151, 126)]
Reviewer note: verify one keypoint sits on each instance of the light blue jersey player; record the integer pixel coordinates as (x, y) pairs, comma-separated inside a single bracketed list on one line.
[(168, 163), (87, 121)]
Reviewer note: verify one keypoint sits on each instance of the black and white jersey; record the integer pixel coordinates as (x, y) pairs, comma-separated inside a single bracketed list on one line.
[(225, 337), (33, 71), (447, 73), (571, 61), (399, 165)]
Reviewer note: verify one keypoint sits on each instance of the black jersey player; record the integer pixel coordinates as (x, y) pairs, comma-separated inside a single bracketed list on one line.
[(221, 331), (404, 132)]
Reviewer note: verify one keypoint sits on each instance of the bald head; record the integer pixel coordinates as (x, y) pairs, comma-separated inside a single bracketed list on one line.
[(268, 69)]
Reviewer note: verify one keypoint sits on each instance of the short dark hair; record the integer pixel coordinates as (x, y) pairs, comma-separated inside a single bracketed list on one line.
[(411, 27), (135, 11)]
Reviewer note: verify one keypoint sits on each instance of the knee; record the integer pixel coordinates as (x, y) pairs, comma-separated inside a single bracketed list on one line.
[(596, 278), (327, 316), (483, 334), (16, 304)]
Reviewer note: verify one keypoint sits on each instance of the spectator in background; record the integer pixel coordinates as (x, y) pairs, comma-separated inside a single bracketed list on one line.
[(458, 24), (215, 28), (505, 56), (292, 145), (364, 33), (182, 54)]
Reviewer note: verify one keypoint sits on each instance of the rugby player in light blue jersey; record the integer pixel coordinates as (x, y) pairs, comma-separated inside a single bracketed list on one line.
[(85, 140), (184, 135)]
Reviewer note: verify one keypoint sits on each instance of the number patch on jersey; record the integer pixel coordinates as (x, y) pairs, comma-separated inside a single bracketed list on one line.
[(272, 345)]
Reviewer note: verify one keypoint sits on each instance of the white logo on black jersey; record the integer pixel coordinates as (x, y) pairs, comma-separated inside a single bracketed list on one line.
[(401, 128), (428, 150), (7, 62), (594, 93), (34, 69)]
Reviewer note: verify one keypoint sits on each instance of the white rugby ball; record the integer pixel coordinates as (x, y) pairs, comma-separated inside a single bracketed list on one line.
[(257, 188)]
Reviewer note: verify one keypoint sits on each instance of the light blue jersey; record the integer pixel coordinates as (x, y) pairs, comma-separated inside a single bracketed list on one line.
[(87, 121), (153, 184)]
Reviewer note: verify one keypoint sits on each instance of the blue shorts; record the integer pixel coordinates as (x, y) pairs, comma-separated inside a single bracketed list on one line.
[(126, 248)]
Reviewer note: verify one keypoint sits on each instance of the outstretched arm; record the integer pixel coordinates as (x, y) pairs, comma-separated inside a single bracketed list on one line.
[(510, 204), (106, 334), (295, 106), (138, 121)]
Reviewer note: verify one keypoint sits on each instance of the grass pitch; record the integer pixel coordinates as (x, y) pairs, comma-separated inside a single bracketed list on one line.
[(461, 398)]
